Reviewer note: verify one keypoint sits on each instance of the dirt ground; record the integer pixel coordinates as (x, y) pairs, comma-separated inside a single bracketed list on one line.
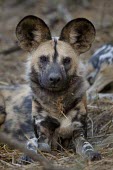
[(12, 71)]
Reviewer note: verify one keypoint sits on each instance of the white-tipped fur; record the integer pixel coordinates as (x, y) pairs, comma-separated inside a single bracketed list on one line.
[(32, 144)]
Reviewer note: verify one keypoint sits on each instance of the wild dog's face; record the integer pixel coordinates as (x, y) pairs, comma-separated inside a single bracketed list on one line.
[(54, 62)]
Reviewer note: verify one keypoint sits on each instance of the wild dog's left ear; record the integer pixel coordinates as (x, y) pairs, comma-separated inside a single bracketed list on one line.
[(80, 33), (31, 31)]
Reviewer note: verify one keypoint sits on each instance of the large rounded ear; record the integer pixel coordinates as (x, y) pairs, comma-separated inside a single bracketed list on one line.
[(80, 33), (31, 31)]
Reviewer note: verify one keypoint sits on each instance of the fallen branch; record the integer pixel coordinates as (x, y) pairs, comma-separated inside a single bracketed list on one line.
[(21, 147), (10, 50)]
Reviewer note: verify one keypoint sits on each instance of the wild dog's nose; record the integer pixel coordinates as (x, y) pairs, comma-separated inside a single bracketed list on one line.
[(54, 78)]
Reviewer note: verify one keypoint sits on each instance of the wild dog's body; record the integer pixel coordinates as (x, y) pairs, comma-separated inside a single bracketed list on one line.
[(17, 104), (17, 109), (57, 88), (58, 103)]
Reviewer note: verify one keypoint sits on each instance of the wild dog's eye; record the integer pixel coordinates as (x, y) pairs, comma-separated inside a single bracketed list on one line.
[(66, 60), (44, 59)]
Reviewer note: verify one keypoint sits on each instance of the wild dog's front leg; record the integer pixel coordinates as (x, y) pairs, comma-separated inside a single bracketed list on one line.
[(32, 144), (83, 147), (44, 127)]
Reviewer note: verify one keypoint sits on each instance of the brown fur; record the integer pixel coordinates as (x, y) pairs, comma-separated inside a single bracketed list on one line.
[(58, 90), (17, 120), (47, 49)]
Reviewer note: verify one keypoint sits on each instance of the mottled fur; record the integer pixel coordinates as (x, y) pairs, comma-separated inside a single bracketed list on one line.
[(58, 102), (18, 108)]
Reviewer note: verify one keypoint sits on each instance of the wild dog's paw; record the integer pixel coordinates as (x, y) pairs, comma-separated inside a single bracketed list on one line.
[(23, 160), (95, 156), (32, 144), (35, 145), (44, 147)]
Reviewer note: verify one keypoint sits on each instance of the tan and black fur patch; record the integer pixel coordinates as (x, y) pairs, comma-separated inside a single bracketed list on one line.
[(56, 97)]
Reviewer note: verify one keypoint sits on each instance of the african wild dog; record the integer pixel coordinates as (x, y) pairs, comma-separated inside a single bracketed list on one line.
[(99, 70), (57, 90)]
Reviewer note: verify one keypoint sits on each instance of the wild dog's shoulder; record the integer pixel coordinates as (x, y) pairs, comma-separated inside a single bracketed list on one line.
[(16, 98), (17, 106)]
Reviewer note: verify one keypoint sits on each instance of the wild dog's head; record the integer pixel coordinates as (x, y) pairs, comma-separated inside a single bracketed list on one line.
[(54, 62)]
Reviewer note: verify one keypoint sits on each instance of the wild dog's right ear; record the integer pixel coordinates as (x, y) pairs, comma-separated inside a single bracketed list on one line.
[(31, 31)]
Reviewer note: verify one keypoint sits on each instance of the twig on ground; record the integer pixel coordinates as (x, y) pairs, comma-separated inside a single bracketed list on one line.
[(6, 163), (10, 50), (21, 147), (4, 83)]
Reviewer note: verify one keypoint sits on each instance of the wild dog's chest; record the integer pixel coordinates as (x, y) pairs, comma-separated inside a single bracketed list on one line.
[(56, 105)]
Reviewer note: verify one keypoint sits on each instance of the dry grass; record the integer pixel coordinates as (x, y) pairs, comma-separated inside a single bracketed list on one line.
[(100, 133)]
